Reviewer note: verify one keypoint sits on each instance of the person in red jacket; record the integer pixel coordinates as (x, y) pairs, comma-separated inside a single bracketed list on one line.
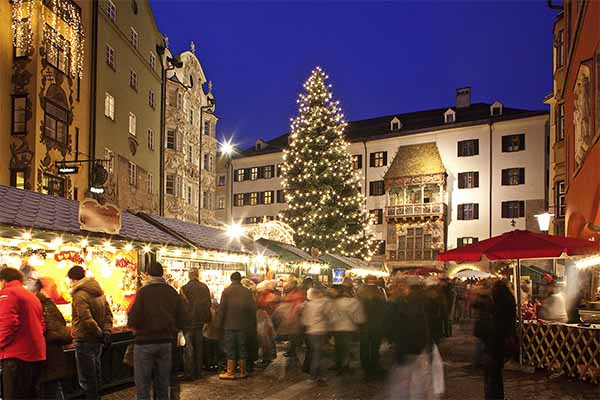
[(22, 343)]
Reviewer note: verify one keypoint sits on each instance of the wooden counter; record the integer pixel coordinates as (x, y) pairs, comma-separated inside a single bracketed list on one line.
[(570, 348)]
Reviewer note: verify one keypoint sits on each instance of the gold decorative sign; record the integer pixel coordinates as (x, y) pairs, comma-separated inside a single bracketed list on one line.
[(95, 217)]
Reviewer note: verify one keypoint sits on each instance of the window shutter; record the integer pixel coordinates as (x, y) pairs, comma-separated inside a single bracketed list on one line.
[(461, 180), (246, 174), (476, 179), (476, 147), (476, 211), (380, 216), (261, 197), (505, 143), (272, 196), (246, 199), (521, 209), (504, 209), (461, 212), (521, 175), (360, 161), (371, 187), (475, 240), (261, 172), (372, 160), (385, 158), (504, 177), (459, 242), (522, 141), (460, 149)]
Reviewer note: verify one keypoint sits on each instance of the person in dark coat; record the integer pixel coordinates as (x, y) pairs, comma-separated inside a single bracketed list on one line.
[(156, 316), (371, 333), (197, 301), (57, 336), (236, 315), (495, 327)]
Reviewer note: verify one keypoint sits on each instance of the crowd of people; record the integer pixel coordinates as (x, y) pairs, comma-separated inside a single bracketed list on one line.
[(240, 331)]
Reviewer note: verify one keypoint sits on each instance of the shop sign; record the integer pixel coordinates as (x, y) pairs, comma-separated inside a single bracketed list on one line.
[(96, 217), (68, 255)]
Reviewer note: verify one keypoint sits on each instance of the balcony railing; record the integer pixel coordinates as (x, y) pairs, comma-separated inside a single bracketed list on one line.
[(416, 210)]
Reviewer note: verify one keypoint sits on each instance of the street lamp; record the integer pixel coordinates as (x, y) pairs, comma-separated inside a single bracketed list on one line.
[(544, 221), (235, 230), (227, 149)]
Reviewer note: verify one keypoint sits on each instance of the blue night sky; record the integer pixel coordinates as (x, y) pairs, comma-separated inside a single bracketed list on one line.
[(382, 58)]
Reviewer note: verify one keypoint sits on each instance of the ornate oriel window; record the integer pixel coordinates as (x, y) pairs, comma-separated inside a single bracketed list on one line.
[(416, 244), (57, 50)]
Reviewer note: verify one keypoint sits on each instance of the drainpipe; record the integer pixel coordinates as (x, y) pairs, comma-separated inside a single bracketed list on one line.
[(365, 170), (94, 72), (491, 212), (163, 100)]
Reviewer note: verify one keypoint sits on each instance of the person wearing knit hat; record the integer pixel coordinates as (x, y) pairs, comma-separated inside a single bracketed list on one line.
[(76, 273), (155, 270)]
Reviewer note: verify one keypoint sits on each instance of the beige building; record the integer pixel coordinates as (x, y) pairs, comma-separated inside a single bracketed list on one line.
[(49, 93), (190, 143), (126, 117)]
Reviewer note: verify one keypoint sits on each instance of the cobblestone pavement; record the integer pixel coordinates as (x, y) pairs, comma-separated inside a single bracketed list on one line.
[(463, 382)]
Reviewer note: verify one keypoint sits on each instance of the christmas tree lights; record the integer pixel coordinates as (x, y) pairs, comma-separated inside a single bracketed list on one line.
[(326, 208)]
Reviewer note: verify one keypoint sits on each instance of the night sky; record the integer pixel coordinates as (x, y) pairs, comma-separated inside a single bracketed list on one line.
[(382, 58)]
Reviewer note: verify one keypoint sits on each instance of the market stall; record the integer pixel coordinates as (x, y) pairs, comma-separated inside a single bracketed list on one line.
[(342, 267)]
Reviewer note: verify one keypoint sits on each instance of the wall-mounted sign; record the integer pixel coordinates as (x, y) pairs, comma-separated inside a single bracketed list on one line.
[(95, 217)]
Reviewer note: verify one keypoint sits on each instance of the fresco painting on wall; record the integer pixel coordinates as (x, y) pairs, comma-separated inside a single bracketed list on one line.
[(582, 115)]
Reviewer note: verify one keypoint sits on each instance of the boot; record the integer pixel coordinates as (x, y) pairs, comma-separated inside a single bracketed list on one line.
[(230, 373), (243, 372)]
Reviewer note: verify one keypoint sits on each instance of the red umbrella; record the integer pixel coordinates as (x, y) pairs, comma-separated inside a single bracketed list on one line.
[(423, 271), (520, 244)]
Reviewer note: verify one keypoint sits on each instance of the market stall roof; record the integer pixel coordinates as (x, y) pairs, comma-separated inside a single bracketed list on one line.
[(27, 209), (202, 236), (338, 261), (286, 252), (521, 244)]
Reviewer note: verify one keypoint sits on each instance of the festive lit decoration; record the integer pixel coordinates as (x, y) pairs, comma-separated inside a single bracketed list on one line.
[(326, 208), (69, 255), (62, 29), (272, 230)]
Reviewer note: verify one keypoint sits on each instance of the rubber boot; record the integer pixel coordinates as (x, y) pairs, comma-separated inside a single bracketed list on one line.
[(230, 373), (243, 371)]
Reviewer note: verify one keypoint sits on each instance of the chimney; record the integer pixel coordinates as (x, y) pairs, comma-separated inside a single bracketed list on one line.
[(463, 97), (260, 144)]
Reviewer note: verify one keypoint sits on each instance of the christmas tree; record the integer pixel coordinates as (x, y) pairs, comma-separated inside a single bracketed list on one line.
[(326, 208)]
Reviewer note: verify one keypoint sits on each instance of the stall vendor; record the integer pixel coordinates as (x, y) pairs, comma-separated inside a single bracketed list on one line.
[(553, 308)]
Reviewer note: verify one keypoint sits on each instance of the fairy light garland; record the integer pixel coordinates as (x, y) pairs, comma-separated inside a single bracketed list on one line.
[(64, 19), (325, 205)]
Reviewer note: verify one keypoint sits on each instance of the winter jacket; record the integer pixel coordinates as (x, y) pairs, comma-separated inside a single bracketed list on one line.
[(316, 315), (196, 301), (56, 336), (21, 324), (408, 325), (237, 309), (268, 300), (347, 314), (374, 305), (553, 309), (91, 314), (287, 314), (157, 313)]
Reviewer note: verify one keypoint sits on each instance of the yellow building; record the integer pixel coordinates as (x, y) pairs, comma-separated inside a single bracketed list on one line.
[(49, 94), (6, 55)]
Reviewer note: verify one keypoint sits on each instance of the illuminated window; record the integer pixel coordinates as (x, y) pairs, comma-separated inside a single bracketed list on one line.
[(253, 199), (17, 178), (268, 197), (561, 204), (171, 139), (416, 245), (378, 159), (109, 106), (132, 172), (150, 183), (512, 143), (465, 241), (132, 123), (254, 173), (221, 203), (56, 120), (357, 161), (57, 49), (150, 139), (238, 199), (53, 186)]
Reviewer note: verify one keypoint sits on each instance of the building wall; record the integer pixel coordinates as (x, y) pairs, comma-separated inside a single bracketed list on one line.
[(582, 119), (6, 55), (113, 134)]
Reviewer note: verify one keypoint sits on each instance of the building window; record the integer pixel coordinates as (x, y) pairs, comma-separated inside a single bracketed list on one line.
[(188, 194), (22, 29), (465, 241), (150, 139), (132, 173), (57, 50), (206, 162), (377, 215), (416, 245), (254, 173), (268, 197), (56, 121), (512, 143), (376, 188), (132, 123), (133, 38), (496, 111), (109, 156), (238, 199), (239, 175), (171, 139), (179, 100), (513, 209), (268, 171), (468, 148), (468, 180), (179, 186), (151, 98), (150, 183), (449, 118), (279, 170), (206, 128), (111, 10), (207, 200), (380, 250), (109, 106), (19, 115), (395, 126), (220, 203), (253, 199), (468, 211), (221, 180), (53, 186), (109, 56), (513, 176), (17, 178), (560, 122), (560, 49), (170, 185), (281, 196), (378, 159), (152, 61), (189, 153), (561, 205), (133, 81), (357, 161)]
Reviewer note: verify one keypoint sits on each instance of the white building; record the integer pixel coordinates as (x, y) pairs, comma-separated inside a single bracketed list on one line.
[(435, 179)]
